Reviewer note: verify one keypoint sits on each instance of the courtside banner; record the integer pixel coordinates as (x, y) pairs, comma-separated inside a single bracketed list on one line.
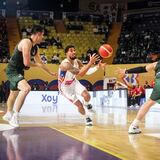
[(49, 103)]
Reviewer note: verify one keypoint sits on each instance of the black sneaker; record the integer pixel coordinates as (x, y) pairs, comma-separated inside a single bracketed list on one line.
[(89, 122), (89, 106)]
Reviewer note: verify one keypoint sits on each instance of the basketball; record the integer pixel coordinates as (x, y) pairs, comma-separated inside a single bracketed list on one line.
[(105, 51)]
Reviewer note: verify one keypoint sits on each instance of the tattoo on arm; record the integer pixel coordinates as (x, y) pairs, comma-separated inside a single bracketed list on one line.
[(70, 68), (74, 70)]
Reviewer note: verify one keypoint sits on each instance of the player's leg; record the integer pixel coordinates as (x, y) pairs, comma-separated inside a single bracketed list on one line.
[(24, 89), (88, 120), (82, 91), (134, 127), (155, 97), (10, 103), (86, 101), (70, 93)]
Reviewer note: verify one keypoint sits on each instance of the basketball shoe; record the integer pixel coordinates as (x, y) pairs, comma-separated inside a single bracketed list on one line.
[(89, 121), (134, 129), (14, 120), (7, 117), (90, 108)]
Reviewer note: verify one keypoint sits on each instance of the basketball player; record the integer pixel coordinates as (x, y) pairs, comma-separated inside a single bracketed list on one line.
[(155, 96), (69, 86), (24, 51)]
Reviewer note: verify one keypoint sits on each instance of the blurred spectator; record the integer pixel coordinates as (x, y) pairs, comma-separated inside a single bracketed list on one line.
[(3, 92), (152, 83), (35, 87), (55, 59), (46, 86), (146, 85), (84, 59), (44, 58), (59, 43)]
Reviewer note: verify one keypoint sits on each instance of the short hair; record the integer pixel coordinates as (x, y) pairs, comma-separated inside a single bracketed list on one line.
[(68, 47), (36, 28)]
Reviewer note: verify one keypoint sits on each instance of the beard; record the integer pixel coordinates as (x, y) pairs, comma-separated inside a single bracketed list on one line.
[(73, 58)]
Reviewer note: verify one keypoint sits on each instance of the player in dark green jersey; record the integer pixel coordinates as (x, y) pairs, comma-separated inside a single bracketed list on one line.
[(155, 95), (24, 51)]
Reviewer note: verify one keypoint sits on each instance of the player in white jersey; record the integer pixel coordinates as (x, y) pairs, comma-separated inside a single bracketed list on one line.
[(69, 86)]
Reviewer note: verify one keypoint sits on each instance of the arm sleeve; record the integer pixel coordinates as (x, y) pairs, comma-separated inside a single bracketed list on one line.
[(92, 70), (136, 70)]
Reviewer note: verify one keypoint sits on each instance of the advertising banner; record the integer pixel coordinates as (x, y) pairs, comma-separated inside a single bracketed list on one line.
[(50, 103)]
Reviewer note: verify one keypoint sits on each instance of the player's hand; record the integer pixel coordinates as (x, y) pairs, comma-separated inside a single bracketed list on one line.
[(120, 71), (101, 65), (93, 58)]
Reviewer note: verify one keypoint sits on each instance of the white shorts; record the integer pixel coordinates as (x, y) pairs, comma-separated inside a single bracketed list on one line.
[(71, 91)]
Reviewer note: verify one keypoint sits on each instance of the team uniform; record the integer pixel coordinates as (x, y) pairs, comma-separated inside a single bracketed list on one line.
[(68, 85), (15, 68), (15, 73), (155, 96)]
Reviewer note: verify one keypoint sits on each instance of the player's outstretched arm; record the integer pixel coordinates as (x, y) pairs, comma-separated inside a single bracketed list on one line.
[(38, 63), (86, 67), (140, 69)]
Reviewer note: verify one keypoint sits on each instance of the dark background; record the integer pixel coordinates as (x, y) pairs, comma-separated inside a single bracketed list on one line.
[(54, 5)]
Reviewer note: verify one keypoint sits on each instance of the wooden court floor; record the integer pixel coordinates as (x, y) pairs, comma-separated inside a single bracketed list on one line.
[(108, 134)]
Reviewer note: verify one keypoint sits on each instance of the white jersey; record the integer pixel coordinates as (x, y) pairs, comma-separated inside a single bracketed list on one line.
[(66, 77), (68, 85)]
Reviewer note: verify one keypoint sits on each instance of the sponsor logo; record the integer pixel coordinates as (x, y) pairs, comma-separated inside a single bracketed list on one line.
[(49, 98)]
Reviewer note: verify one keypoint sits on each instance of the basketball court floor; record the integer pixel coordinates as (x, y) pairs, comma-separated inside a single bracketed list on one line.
[(67, 138)]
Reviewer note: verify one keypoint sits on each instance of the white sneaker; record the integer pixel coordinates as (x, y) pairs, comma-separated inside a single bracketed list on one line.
[(136, 106), (7, 117), (89, 121), (134, 130), (14, 120), (131, 106)]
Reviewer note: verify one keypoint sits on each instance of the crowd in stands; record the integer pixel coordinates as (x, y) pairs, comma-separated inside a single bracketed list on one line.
[(140, 35), (4, 49), (74, 26)]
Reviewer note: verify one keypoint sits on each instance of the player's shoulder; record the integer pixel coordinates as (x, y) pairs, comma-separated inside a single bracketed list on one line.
[(64, 62), (26, 41)]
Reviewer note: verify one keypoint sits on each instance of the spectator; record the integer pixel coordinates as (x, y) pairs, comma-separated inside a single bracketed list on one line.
[(59, 43), (55, 59), (146, 85)]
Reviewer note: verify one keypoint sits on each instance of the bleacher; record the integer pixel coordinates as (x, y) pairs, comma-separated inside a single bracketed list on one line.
[(140, 35), (83, 39), (4, 48)]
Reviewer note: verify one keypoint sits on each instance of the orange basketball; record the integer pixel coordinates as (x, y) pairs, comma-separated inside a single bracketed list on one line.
[(105, 51)]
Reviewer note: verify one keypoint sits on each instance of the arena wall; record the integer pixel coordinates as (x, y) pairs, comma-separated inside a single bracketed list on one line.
[(35, 73)]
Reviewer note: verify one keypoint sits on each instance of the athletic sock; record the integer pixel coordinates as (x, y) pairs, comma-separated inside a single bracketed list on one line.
[(135, 122)]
